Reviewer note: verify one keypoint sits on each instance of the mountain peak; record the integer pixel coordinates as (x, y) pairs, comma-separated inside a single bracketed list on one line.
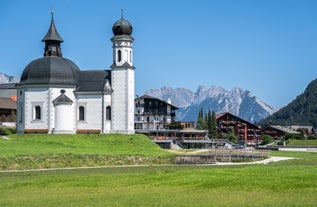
[(238, 101)]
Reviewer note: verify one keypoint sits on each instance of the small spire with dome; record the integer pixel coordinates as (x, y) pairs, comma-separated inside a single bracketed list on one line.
[(122, 26), (52, 40)]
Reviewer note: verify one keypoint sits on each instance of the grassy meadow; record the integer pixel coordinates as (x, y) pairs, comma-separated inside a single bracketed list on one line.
[(286, 183), (33, 151), (300, 142)]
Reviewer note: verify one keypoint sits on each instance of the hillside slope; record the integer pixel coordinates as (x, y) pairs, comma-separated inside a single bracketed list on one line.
[(301, 111), (34, 151)]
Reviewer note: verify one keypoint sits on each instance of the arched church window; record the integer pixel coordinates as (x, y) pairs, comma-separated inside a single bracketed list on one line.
[(119, 55), (108, 113), (81, 113), (37, 114)]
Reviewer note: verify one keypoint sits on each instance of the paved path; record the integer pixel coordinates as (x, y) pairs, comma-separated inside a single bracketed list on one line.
[(266, 161), (5, 137)]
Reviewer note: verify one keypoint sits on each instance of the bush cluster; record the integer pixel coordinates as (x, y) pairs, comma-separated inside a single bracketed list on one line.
[(7, 130)]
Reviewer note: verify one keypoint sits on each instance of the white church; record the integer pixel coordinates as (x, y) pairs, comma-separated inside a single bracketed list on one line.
[(55, 96)]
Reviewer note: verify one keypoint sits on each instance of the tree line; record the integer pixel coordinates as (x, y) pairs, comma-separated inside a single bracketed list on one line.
[(209, 122)]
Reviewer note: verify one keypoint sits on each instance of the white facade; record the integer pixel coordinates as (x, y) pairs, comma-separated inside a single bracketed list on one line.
[(95, 113), (122, 81), (153, 114)]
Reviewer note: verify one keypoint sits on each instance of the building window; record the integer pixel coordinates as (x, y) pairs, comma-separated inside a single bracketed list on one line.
[(126, 54), (81, 113), (37, 112), (119, 55), (108, 113)]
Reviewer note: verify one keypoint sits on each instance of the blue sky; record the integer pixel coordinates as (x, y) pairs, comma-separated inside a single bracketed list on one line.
[(266, 46)]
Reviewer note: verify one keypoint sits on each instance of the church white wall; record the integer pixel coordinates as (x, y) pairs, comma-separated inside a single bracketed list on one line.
[(20, 110), (36, 97), (60, 114), (107, 122), (123, 101), (95, 112), (30, 97), (130, 102), (63, 119)]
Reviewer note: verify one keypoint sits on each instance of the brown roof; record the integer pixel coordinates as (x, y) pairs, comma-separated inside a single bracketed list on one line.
[(7, 103)]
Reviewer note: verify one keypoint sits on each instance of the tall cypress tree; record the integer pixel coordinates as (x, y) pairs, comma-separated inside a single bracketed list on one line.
[(201, 124), (212, 124)]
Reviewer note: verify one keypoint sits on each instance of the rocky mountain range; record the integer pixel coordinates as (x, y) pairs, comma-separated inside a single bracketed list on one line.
[(238, 101), (8, 79)]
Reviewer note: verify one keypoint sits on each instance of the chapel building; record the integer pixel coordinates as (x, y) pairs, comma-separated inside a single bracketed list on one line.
[(55, 96)]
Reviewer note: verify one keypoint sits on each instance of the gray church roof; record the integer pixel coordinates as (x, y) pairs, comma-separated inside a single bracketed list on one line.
[(50, 70), (94, 80)]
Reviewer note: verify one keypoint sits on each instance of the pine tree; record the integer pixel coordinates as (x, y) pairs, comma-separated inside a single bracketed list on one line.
[(231, 136)]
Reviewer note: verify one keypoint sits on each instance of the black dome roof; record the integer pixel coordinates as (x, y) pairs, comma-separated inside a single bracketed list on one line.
[(50, 70), (122, 27)]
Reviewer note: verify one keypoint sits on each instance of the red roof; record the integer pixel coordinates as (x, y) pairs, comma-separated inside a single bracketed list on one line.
[(7, 103)]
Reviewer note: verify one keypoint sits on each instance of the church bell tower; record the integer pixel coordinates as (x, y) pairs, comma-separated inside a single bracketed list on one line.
[(122, 78)]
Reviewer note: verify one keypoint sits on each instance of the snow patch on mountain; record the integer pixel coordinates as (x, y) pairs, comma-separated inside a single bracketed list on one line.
[(4, 78)]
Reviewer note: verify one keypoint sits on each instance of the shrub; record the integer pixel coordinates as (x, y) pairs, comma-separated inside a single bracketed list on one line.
[(312, 137), (292, 136), (266, 139), (7, 130)]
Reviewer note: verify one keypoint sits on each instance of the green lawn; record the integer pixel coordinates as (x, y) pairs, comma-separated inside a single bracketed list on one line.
[(286, 183), (32, 151), (258, 185)]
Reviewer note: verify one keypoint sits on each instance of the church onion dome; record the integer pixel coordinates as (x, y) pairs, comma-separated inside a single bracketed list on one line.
[(122, 27), (50, 70)]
